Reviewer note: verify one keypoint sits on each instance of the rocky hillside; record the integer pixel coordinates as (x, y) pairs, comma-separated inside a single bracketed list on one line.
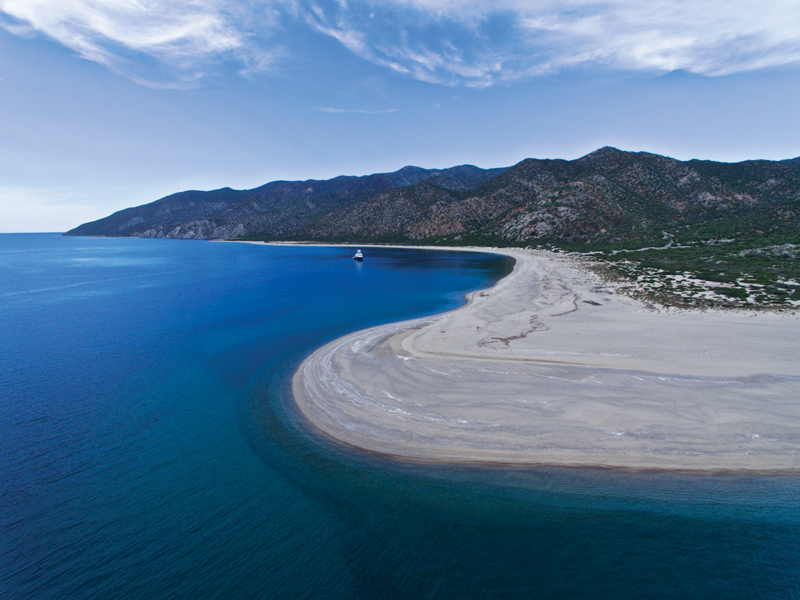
[(608, 196), (277, 209)]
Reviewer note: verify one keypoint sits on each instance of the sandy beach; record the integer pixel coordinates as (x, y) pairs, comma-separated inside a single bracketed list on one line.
[(553, 366)]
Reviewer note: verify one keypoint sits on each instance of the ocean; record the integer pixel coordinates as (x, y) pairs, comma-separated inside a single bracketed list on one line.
[(149, 448)]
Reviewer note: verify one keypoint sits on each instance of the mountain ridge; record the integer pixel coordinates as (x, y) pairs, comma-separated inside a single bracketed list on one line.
[(274, 206), (606, 196)]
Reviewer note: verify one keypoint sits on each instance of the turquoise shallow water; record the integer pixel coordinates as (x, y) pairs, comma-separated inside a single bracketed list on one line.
[(149, 448)]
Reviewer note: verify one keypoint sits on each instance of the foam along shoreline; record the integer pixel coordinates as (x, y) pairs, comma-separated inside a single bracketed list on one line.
[(551, 366)]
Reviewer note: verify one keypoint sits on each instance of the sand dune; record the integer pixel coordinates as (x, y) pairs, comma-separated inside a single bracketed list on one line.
[(552, 366)]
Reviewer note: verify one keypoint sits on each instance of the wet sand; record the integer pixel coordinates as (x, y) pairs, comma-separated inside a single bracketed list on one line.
[(553, 366)]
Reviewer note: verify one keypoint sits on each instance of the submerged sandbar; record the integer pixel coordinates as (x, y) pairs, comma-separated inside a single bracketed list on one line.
[(553, 366)]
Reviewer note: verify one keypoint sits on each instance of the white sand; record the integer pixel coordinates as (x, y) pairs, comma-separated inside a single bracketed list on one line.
[(552, 366)]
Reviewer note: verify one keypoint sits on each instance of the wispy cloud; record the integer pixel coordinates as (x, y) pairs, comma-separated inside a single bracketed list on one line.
[(451, 42), (162, 43), (356, 111), (471, 42)]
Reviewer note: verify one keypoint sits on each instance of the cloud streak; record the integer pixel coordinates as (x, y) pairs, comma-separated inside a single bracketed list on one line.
[(356, 111), (461, 42), (156, 42), (450, 42)]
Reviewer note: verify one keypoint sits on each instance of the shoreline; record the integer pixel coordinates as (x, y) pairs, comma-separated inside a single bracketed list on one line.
[(552, 367)]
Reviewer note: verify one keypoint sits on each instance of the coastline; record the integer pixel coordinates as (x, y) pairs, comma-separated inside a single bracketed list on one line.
[(552, 367)]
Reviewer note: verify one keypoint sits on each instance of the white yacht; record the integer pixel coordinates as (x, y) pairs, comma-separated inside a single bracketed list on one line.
[(358, 256)]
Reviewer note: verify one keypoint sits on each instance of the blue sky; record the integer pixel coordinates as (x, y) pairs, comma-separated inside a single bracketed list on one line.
[(106, 104)]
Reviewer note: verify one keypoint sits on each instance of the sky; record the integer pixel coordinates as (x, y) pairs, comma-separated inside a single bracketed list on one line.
[(106, 104)]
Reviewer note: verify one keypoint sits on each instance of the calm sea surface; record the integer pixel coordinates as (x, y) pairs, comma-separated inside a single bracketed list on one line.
[(149, 448)]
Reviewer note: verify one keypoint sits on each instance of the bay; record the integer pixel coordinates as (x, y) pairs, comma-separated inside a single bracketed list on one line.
[(149, 447)]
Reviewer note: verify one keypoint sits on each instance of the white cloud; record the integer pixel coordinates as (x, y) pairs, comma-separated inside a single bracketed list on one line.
[(453, 42), (356, 111), (181, 35), (475, 43)]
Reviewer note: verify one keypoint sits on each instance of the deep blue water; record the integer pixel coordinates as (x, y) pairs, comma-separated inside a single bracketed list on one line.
[(149, 448)]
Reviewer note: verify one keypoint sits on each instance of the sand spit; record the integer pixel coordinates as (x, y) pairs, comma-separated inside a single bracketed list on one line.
[(552, 366)]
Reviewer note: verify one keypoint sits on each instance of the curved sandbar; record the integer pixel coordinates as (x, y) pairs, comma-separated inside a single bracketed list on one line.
[(552, 366)]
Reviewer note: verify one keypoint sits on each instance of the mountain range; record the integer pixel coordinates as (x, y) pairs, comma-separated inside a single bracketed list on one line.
[(607, 196)]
